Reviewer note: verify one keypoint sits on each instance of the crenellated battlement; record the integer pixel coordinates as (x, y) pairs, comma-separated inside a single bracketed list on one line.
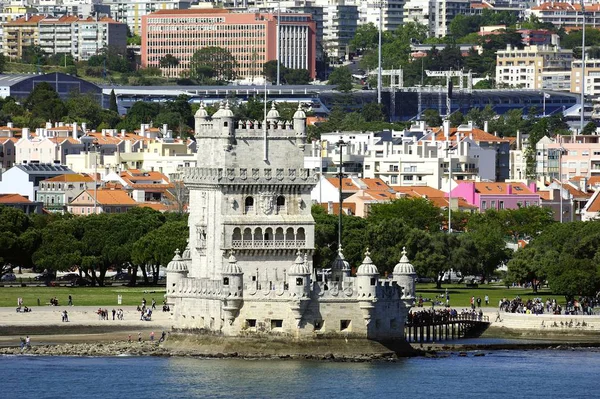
[(249, 176)]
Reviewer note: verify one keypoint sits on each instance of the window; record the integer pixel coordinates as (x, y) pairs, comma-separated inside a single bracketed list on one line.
[(393, 179), (345, 325), (373, 280), (276, 323), (318, 324), (251, 322), (249, 204), (299, 281), (501, 204), (493, 205), (483, 205), (225, 281)]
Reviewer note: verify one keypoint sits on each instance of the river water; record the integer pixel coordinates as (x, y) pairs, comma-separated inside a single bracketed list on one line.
[(498, 374)]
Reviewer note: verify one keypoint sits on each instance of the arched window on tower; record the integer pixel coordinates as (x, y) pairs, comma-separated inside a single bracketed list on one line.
[(280, 204), (249, 205)]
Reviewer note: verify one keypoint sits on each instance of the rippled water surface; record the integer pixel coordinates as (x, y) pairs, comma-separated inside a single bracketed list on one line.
[(498, 374)]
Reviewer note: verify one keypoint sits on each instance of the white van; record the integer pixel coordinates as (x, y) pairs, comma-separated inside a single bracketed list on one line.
[(451, 276)]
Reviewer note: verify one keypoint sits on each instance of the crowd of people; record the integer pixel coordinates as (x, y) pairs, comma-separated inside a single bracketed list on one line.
[(428, 316), (103, 314), (581, 306)]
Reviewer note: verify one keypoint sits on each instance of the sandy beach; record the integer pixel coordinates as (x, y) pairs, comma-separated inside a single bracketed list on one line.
[(45, 326)]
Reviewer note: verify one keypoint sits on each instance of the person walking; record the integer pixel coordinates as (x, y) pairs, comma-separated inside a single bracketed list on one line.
[(28, 342), (70, 301), (162, 337), (152, 336), (139, 337), (153, 304), (487, 300), (114, 312)]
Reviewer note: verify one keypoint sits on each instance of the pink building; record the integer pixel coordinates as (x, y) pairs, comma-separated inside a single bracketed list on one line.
[(497, 195), (250, 37)]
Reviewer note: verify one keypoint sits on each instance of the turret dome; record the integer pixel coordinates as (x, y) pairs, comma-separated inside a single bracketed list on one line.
[(367, 267), (201, 112), (186, 255), (273, 113), (227, 112), (299, 267), (404, 266), (219, 112), (177, 264), (340, 263), (231, 267), (299, 114)]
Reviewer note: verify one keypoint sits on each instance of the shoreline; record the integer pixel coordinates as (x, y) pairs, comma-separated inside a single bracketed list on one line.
[(86, 335), (114, 343)]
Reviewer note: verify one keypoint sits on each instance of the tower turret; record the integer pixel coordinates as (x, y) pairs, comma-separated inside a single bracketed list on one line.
[(367, 277), (176, 270), (340, 268), (300, 126), (299, 287), (273, 115), (201, 118), (232, 288), (405, 276), (223, 125)]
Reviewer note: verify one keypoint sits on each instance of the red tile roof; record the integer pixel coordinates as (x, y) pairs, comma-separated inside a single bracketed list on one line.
[(14, 199), (501, 188)]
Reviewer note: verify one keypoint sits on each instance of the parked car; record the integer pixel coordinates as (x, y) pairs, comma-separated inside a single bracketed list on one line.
[(80, 282), (425, 280), (45, 276), (68, 277), (122, 276), (9, 277)]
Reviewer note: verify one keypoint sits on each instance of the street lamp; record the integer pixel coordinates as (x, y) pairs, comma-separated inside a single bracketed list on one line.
[(96, 145), (560, 154), (582, 71), (340, 144), (379, 52)]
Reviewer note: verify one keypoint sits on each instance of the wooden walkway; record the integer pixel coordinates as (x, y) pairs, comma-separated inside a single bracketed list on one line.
[(446, 328)]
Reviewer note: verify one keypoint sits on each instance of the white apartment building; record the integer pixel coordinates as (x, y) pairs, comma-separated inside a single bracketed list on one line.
[(567, 14), (592, 76), (421, 12), (526, 67), (428, 163), (130, 12), (339, 27), (580, 157), (391, 12), (80, 37)]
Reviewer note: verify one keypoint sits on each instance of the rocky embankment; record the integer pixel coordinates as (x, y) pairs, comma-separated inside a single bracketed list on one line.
[(120, 348)]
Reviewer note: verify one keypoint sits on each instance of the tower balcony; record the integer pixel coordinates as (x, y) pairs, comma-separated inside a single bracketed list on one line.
[(262, 244)]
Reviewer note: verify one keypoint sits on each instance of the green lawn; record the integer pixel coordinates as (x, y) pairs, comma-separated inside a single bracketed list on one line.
[(84, 296), (460, 296), (107, 296)]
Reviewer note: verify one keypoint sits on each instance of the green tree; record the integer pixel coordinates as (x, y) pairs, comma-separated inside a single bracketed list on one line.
[(366, 37), (216, 59), (2, 63), (168, 61), (84, 108), (270, 70), (157, 247), (112, 103), (432, 117), (43, 102), (414, 212), (296, 76), (589, 128), (372, 112), (342, 78)]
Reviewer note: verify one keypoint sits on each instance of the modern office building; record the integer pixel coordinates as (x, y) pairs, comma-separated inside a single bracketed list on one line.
[(251, 38)]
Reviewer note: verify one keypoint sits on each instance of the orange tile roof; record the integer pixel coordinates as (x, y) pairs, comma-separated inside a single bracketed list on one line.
[(478, 135), (501, 188), (442, 202), (544, 195), (110, 197), (419, 191), (351, 206), (349, 186), (33, 20), (73, 177), (595, 205), (14, 199), (5, 139)]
